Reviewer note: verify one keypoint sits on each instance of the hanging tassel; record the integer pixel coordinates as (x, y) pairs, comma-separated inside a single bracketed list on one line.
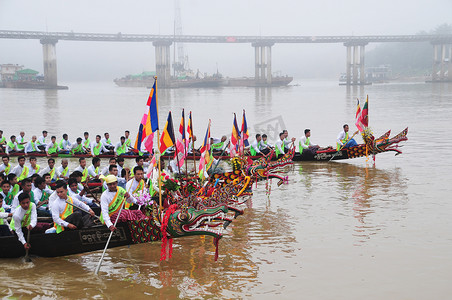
[(167, 243), (216, 241)]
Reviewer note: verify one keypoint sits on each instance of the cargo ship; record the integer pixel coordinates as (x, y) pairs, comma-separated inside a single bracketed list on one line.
[(250, 82), (16, 77)]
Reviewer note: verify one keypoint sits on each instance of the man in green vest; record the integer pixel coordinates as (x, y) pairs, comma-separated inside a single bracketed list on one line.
[(42, 141), (255, 146), (21, 170), (21, 141), (107, 142), (32, 146), (50, 169), (128, 141), (343, 140), (217, 145), (5, 168), (63, 170), (7, 194), (24, 216), (121, 147), (86, 142), (34, 167), (4, 226), (52, 147), (305, 143), (2, 142), (26, 188), (82, 169), (77, 147), (11, 146)]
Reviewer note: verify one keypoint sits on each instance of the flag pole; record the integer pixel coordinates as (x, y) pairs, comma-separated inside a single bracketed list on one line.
[(192, 143), (158, 147), (175, 147)]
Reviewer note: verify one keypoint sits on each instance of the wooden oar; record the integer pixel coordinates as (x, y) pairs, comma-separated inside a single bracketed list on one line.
[(82, 209), (27, 258), (108, 241), (334, 155)]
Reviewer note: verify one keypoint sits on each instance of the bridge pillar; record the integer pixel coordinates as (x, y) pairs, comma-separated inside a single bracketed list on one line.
[(354, 66), (50, 62), (163, 63), (442, 65), (262, 63)]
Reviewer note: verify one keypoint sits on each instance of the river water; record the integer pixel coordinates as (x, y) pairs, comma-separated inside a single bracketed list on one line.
[(339, 230)]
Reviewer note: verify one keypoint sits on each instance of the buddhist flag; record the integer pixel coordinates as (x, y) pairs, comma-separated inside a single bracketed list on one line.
[(167, 139), (358, 117), (235, 138), (205, 152), (365, 112), (180, 142), (244, 133), (150, 121)]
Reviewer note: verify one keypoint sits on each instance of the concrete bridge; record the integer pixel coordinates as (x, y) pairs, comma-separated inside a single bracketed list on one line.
[(355, 49)]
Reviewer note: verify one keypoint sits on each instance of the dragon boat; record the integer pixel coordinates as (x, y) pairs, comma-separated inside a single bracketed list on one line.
[(181, 223)]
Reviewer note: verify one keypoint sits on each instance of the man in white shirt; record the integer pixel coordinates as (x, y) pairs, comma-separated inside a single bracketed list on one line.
[(105, 170), (343, 140), (64, 214), (5, 167), (63, 170), (77, 147), (21, 141), (32, 146), (264, 146), (65, 145), (255, 146), (113, 170), (50, 169), (4, 226), (82, 169), (41, 197), (24, 216), (11, 146), (86, 142), (136, 185), (21, 170), (110, 212), (306, 144), (42, 141), (52, 147), (106, 142), (93, 170), (97, 147), (34, 168), (74, 192), (26, 188)]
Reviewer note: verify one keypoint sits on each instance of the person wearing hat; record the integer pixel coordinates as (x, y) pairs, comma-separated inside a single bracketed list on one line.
[(112, 200)]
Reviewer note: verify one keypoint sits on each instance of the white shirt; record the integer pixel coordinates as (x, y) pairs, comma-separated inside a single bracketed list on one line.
[(3, 167), (303, 142), (52, 199), (105, 200), (105, 143), (18, 215), (279, 146), (340, 137), (58, 207), (50, 145), (105, 170), (47, 170), (120, 180), (256, 146), (119, 145), (4, 205), (92, 171), (29, 147), (101, 150), (119, 170), (4, 215), (38, 194), (264, 145), (80, 169), (15, 202), (66, 145), (174, 166), (132, 185), (60, 170), (78, 197), (17, 170), (41, 141), (32, 171)]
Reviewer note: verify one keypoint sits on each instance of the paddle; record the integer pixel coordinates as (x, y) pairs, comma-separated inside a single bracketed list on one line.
[(27, 258), (219, 157), (82, 209), (334, 155), (108, 241)]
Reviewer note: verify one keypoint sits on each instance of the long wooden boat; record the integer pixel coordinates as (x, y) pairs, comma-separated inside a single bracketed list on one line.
[(67, 242)]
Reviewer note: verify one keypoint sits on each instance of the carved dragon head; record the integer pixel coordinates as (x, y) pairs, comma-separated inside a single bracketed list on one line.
[(384, 143)]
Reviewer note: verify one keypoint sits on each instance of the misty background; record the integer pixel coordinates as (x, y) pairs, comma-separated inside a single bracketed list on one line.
[(81, 61)]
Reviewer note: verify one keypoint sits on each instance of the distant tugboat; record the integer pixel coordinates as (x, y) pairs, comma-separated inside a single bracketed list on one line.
[(16, 77)]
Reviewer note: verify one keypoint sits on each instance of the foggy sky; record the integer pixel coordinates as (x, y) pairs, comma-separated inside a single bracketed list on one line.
[(106, 61)]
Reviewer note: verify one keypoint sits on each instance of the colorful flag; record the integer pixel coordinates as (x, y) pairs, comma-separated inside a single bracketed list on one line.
[(180, 142), (190, 127), (205, 153), (235, 138), (365, 112), (244, 133), (167, 139), (150, 121), (358, 117)]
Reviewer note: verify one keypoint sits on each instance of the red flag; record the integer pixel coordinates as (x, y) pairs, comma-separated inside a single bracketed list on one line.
[(235, 138), (180, 142), (167, 138), (358, 117)]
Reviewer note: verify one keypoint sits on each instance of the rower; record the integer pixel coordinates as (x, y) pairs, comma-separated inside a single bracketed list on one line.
[(255, 146), (52, 147), (264, 146), (34, 167), (63, 170), (77, 147), (65, 145), (41, 197), (32, 146), (2, 142), (218, 144), (15, 188), (11, 146), (121, 147), (63, 214), (112, 200), (82, 168), (4, 226), (136, 185), (343, 138), (21, 141), (113, 170), (280, 144), (106, 142), (5, 168), (287, 141), (26, 188), (24, 216), (191, 146), (21, 170), (97, 147), (75, 193), (139, 162), (128, 142), (305, 144), (42, 141), (51, 170), (6, 195), (86, 142), (120, 163), (93, 170), (111, 162)]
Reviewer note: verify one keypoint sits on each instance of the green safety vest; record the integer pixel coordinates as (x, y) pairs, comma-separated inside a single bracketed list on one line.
[(11, 145), (53, 149), (140, 187), (307, 142), (52, 173), (61, 144), (15, 190), (44, 196), (20, 147), (39, 143), (116, 203), (24, 174), (344, 140), (7, 169), (218, 145), (128, 142), (37, 168), (65, 171), (109, 142), (9, 197), (84, 174), (1, 219), (2, 140), (277, 152), (33, 146), (87, 143), (68, 210), (122, 149), (79, 148), (96, 149), (96, 170), (254, 152), (25, 221)]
